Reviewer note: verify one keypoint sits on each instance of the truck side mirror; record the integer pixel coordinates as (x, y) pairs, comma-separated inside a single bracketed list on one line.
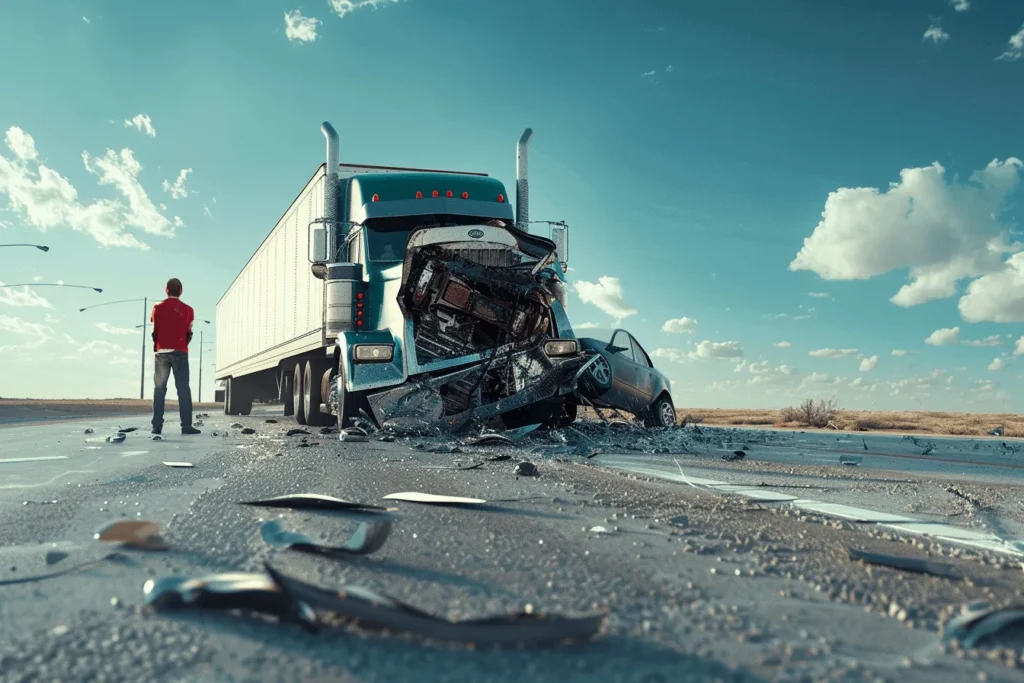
[(560, 236), (318, 242)]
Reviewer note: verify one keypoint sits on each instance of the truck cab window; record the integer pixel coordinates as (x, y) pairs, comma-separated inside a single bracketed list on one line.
[(355, 246)]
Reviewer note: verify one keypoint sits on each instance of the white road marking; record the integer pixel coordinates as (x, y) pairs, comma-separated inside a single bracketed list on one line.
[(39, 459), (944, 532), (133, 453), (50, 481)]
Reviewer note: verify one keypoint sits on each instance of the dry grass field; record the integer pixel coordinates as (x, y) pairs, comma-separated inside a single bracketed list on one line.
[(903, 421)]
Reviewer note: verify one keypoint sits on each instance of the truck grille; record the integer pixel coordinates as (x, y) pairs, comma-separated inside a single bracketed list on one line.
[(500, 258)]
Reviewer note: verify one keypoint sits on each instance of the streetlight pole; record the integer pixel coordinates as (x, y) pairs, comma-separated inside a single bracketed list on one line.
[(51, 284), (142, 370), (40, 247)]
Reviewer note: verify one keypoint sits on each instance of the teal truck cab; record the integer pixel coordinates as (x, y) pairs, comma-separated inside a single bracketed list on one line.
[(442, 307)]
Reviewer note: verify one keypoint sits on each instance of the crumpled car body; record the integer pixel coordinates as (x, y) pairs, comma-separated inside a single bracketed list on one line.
[(621, 375), (477, 318)]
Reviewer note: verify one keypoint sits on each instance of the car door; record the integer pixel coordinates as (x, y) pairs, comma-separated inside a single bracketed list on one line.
[(645, 373), (624, 392)]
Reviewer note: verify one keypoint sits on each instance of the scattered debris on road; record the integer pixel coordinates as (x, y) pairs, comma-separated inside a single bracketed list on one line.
[(432, 499), (368, 537), (88, 430), (295, 432), (243, 591), (89, 564), (850, 460), (526, 469), (174, 463), (491, 439), (909, 564), (248, 430), (237, 425), (980, 623), (55, 556), (127, 430), (735, 455), (132, 533), (354, 435), (311, 501)]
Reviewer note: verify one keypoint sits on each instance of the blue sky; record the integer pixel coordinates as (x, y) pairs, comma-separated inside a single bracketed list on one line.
[(693, 148)]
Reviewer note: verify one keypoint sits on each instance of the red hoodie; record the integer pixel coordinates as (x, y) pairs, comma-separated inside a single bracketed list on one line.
[(172, 323)]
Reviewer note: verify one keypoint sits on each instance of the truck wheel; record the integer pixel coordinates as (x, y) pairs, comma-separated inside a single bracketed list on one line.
[(348, 402), (237, 401), (661, 413), (286, 395), (297, 404), (311, 393), (227, 396)]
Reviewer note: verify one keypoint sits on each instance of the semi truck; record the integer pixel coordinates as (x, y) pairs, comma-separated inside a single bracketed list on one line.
[(411, 297)]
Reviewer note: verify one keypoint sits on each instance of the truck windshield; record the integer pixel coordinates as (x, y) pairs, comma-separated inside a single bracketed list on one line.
[(386, 237)]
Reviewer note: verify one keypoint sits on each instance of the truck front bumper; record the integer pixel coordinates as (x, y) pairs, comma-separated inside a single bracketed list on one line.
[(453, 400)]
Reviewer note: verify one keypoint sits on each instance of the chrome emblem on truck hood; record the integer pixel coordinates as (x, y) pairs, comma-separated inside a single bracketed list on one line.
[(476, 233)]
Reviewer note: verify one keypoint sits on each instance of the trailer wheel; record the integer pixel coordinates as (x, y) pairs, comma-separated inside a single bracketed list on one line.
[(311, 393), (287, 398), (237, 401), (297, 404), (227, 396)]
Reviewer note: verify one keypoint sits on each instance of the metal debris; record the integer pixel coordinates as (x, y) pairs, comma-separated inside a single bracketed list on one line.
[(492, 439), (909, 564), (55, 556), (88, 430), (127, 430), (499, 458), (430, 498), (354, 434), (311, 501), (237, 425), (599, 530), (998, 431), (218, 432), (519, 433), (526, 469), (270, 422), (680, 521), (177, 463), (293, 432), (250, 592), (850, 460), (368, 537), (735, 455), (364, 606), (131, 533), (974, 626), (248, 430)]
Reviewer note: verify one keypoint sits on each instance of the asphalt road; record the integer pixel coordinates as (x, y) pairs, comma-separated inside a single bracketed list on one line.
[(740, 591)]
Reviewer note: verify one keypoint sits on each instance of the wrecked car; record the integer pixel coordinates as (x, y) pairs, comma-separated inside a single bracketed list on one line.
[(622, 376), (424, 303)]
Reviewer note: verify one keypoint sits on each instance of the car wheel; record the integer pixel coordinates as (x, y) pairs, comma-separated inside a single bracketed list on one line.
[(599, 374), (662, 413)]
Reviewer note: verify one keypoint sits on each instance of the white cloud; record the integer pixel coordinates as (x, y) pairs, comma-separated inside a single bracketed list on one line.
[(992, 340), (709, 350), (674, 355), (299, 28), (942, 232), (141, 123), (586, 326), (1019, 348), (899, 353), (177, 188), (817, 378), (36, 334), (758, 368), (648, 74), (997, 297), (23, 298), (935, 34), (943, 336), (997, 364), (832, 353), (606, 294), (1014, 47), (46, 199), (344, 7), (782, 345), (112, 353), (868, 364), (669, 69), (960, 5), (110, 329), (206, 212), (739, 366), (682, 325), (819, 295), (86, 20), (766, 375)]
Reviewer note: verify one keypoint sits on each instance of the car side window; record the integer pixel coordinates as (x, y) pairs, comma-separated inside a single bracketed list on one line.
[(639, 354), (621, 341)]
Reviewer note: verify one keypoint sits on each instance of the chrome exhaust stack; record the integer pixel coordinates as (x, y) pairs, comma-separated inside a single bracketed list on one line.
[(522, 181)]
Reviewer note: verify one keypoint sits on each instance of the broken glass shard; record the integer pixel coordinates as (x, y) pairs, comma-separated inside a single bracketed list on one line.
[(312, 501), (133, 533), (368, 537), (430, 498)]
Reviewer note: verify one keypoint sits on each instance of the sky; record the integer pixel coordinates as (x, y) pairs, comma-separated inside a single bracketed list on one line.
[(781, 200)]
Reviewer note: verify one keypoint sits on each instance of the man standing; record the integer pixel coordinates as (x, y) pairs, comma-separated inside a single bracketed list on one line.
[(172, 332)]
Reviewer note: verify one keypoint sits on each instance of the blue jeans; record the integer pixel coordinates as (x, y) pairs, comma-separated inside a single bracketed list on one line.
[(164, 364)]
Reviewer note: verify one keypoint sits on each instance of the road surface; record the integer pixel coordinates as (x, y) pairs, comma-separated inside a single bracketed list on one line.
[(744, 588)]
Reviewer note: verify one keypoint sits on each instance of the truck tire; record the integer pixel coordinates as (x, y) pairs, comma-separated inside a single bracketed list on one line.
[(287, 398), (237, 401), (312, 394), (348, 402), (227, 396), (297, 404)]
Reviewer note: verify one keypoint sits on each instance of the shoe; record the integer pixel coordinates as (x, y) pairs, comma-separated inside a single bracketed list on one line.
[(190, 430), (157, 430)]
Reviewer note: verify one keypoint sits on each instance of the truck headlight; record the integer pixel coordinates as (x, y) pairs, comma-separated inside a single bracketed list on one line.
[(371, 353), (560, 347)]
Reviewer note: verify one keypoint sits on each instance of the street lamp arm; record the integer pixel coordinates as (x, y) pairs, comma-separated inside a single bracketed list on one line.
[(109, 303), (40, 247), (52, 284)]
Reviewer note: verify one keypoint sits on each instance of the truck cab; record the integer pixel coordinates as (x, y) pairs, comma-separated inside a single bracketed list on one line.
[(441, 305)]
